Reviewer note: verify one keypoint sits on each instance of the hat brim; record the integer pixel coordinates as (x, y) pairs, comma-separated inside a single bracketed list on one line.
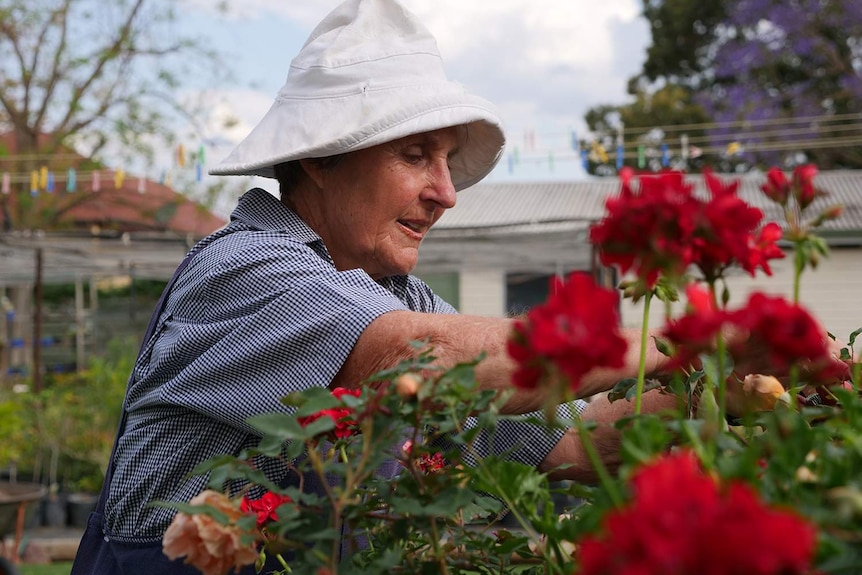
[(296, 128)]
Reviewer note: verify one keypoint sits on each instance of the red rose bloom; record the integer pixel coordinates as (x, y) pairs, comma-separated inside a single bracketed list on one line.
[(695, 332), (803, 185), (776, 188), (788, 331), (344, 426), (764, 247), (663, 228), (425, 462), (575, 330), (648, 231), (682, 522), (264, 507), (726, 233)]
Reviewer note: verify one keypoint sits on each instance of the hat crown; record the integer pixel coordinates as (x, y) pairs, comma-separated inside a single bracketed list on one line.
[(369, 73), (360, 31)]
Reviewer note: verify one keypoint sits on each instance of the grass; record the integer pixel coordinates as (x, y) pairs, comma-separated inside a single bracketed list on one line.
[(58, 568)]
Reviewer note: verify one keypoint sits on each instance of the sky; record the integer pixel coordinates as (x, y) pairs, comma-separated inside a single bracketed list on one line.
[(542, 63)]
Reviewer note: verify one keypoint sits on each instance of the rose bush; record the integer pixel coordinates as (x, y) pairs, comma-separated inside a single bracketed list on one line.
[(749, 476)]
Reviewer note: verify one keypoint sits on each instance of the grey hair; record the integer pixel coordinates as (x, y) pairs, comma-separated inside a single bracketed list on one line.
[(290, 174)]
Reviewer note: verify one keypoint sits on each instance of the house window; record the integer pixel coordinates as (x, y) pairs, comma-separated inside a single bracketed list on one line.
[(446, 285), (524, 290)]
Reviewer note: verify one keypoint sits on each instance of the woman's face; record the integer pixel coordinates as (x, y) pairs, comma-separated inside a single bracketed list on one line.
[(375, 206)]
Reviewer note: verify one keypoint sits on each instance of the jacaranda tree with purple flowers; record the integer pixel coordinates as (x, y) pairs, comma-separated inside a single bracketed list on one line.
[(775, 82), (777, 61)]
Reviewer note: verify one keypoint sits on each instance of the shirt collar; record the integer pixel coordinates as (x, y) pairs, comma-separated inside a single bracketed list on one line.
[(260, 210)]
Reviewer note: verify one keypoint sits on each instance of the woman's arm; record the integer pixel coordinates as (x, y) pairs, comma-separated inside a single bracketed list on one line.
[(569, 460), (458, 338)]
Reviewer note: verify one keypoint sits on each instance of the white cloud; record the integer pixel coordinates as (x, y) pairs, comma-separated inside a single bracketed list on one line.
[(560, 31), (542, 62)]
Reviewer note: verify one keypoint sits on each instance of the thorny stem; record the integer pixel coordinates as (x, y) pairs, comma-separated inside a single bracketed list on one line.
[(513, 509), (721, 385), (283, 563), (598, 464), (642, 360), (722, 380), (317, 465), (435, 539)]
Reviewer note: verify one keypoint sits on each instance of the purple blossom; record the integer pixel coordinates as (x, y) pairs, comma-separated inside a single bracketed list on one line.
[(783, 59)]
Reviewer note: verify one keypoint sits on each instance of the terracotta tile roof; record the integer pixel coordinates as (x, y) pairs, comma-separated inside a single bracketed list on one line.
[(158, 209)]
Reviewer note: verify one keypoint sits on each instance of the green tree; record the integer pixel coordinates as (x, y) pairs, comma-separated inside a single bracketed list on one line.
[(787, 80), (667, 115), (682, 32), (84, 75), (663, 104)]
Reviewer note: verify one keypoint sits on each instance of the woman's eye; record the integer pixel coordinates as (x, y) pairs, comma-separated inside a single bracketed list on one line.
[(413, 155)]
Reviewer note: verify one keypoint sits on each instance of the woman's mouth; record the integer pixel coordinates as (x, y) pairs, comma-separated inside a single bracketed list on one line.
[(414, 227)]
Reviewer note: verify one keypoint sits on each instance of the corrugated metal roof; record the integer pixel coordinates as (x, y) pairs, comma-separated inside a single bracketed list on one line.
[(539, 226), (514, 203), (841, 186), (538, 205)]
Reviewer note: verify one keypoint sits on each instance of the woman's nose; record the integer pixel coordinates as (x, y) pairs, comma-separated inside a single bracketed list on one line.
[(441, 190)]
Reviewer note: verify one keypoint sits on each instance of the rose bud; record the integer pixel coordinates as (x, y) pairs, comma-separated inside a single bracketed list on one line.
[(758, 393), (407, 385), (776, 188), (830, 213)]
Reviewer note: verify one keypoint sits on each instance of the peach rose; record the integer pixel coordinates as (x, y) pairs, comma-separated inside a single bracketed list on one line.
[(211, 547), (758, 393)]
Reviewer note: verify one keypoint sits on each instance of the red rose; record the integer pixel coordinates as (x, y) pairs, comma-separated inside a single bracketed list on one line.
[(803, 185), (788, 332), (682, 522), (344, 426), (764, 247), (776, 188), (649, 230), (726, 233), (575, 330), (696, 331), (264, 507)]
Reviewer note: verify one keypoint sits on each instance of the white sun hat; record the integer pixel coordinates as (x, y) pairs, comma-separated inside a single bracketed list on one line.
[(369, 73)]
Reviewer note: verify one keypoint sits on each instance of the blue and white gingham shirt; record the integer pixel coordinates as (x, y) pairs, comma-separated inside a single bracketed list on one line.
[(260, 312)]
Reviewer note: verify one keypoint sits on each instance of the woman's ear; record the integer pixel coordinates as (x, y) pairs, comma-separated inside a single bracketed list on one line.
[(314, 169)]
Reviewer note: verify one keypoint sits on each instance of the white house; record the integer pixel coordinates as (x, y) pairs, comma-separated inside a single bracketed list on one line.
[(494, 252)]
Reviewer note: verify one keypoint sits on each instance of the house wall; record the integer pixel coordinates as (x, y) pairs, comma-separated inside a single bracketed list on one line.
[(483, 292), (832, 292)]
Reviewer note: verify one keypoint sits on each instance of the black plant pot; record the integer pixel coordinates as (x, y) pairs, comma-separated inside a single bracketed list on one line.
[(54, 510), (79, 507)]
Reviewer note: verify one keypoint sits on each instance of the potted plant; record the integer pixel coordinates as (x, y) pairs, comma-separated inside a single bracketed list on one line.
[(775, 492)]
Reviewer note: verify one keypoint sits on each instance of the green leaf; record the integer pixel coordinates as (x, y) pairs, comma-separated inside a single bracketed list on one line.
[(621, 388), (277, 424), (663, 345), (510, 481), (447, 502), (711, 368), (707, 407), (649, 385), (316, 399)]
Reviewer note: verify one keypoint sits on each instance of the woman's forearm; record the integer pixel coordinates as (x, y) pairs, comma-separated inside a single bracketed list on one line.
[(462, 338)]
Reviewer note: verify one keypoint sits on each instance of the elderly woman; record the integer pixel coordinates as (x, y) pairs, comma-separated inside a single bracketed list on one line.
[(370, 144)]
